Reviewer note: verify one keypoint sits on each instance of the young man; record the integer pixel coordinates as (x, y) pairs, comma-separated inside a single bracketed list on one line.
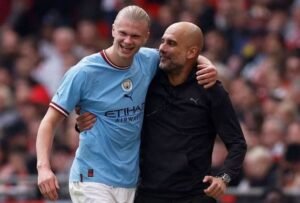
[(112, 85), (181, 122)]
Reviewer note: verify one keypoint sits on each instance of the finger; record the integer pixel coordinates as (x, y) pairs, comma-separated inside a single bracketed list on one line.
[(90, 117), (86, 121), (207, 80), (52, 195), (208, 85), (56, 183), (214, 192), (52, 191), (203, 66), (207, 179), (206, 75), (205, 71), (211, 189), (45, 188), (85, 116), (42, 189), (85, 125)]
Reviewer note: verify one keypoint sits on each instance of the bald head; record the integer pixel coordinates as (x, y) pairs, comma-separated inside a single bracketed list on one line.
[(180, 46), (187, 33)]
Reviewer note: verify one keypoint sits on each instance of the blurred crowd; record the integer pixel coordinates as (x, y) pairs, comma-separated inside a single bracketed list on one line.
[(255, 45)]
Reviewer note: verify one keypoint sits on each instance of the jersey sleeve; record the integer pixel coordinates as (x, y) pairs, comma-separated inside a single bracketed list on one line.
[(69, 92)]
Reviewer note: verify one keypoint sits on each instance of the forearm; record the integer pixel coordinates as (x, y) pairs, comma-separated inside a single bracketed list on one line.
[(44, 142), (228, 128), (45, 137)]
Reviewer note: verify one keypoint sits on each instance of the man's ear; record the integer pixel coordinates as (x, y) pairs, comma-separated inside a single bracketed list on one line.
[(192, 52), (113, 29), (146, 38)]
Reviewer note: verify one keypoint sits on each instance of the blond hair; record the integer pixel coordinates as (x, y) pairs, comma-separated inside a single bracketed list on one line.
[(134, 13)]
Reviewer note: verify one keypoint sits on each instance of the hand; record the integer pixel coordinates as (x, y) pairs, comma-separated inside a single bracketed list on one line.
[(207, 75), (48, 183), (85, 121), (216, 188)]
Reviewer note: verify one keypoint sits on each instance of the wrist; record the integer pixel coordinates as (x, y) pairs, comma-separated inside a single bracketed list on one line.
[(42, 166), (225, 178)]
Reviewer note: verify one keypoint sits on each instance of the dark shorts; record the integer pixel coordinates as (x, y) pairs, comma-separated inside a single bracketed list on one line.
[(140, 198)]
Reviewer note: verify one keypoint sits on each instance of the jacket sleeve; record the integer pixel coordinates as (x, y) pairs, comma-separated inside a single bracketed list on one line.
[(229, 130)]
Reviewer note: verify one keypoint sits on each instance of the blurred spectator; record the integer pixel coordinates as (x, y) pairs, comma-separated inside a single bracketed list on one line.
[(57, 61), (61, 160), (273, 131), (291, 175), (8, 113), (246, 103), (292, 36), (9, 40), (254, 43), (89, 38), (293, 133), (259, 169), (273, 195)]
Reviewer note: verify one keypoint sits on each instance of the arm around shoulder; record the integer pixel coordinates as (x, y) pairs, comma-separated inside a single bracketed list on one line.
[(207, 73)]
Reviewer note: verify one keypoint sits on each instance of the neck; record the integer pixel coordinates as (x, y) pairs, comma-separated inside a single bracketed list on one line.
[(116, 59)]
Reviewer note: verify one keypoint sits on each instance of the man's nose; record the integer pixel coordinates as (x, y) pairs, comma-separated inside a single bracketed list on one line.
[(162, 47), (128, 39)]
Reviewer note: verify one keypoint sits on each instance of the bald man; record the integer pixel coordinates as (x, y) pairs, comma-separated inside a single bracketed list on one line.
[(180, 125)]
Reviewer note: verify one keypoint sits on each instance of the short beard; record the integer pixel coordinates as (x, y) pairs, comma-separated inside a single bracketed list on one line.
[(172, 69)]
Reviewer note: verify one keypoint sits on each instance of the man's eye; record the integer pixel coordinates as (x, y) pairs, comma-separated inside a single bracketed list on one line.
[(122, 33), (171, 43)]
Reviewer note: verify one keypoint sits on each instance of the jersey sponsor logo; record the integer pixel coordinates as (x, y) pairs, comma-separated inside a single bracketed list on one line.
[(127, 114), (127, 85)]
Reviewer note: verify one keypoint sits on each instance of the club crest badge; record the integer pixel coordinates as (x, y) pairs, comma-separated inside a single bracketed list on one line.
[(127, 85)]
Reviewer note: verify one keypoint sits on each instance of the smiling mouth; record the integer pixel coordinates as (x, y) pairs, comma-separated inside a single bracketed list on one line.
[(163, 58), (127, 49)]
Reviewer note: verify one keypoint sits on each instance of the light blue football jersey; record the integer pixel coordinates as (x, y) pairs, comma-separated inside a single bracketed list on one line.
[(109, 152)]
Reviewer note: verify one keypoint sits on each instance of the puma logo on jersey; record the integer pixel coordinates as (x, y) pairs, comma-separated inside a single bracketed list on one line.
[(129, 96)]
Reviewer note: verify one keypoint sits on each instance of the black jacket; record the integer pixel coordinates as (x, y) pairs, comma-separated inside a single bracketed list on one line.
[(180, 127)]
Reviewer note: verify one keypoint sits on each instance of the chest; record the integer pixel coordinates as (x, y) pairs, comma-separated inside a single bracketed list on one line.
[(180, 106), (115, 90)]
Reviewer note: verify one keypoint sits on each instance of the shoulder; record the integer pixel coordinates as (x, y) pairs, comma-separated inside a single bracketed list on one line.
[(217, 88), (90, 59), (87, 64), (148, 60), (148, 52), (217, 94)]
